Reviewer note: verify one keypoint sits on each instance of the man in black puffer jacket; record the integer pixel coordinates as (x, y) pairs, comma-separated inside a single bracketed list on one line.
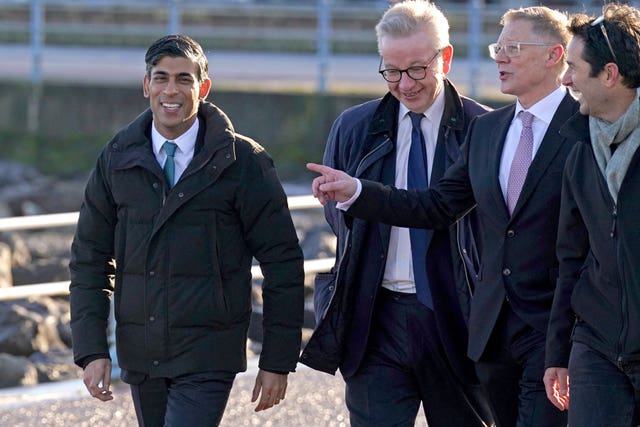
[(177, 248)]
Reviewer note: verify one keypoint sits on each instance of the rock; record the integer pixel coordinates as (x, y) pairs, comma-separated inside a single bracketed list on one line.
[(41, 271), (29, 327), (20, 254), (16, 371), (55, 365), (14, 173), (64, 322)]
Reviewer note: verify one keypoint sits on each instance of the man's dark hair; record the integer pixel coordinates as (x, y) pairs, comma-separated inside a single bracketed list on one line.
[(622, 26), (177, 46)]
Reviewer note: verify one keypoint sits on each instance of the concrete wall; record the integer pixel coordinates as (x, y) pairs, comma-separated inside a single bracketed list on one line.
[(70, 124)]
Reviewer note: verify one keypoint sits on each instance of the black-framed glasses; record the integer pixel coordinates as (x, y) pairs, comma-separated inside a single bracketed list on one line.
[(600, 21), (418, 72), (511, 49)]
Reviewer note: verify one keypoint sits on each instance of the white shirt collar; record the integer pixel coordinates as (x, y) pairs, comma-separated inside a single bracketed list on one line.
[(545, 108), (186, 142)]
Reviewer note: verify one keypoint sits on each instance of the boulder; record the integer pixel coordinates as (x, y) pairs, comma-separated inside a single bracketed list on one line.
[(55, 365), (16, 371), (29, 327), (20, 254), (41, 271)]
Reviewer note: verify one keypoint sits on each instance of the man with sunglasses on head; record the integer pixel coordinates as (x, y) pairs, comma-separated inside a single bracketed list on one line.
[(510, 170), (595, 322), (393, 326)]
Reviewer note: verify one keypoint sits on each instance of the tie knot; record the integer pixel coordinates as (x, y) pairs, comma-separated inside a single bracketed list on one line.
[(526, 118), (415, 119), (170, 148)]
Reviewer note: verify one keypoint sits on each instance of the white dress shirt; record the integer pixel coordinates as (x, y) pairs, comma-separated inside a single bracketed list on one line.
[(184, 152), (543, 111), (398, 272)]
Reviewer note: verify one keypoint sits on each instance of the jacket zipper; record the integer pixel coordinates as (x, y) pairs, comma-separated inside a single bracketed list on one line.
[(614, 215), (361, 165), (623, 299)]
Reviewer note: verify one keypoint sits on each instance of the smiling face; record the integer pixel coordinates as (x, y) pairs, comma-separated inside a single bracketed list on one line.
[(174, 94), (585, 87), (415, 50), (527, 75)]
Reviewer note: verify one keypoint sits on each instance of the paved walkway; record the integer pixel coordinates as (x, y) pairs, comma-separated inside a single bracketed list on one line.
[(314, 399)]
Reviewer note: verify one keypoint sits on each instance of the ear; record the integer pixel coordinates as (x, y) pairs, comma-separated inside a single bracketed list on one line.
[(145, 86), (555, 54), (610, 74), (447, 56), (205, 87)]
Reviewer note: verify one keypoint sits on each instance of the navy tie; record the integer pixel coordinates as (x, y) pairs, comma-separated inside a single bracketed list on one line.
[(417, 179), (169, 164)]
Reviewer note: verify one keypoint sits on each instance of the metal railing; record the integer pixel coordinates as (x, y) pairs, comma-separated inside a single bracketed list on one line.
[(32, 222)]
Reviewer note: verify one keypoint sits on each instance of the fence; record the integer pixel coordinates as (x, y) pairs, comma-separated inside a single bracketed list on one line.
[(320, 27), (69, 219)]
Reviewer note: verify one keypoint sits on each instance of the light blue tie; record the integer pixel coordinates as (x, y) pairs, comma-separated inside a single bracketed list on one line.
[(169, 164), (417, 179)]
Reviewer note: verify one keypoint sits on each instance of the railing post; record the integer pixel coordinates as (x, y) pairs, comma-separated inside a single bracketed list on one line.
[(323, 43), (476, 9), (36, 23), (36, 36), (174, 12)]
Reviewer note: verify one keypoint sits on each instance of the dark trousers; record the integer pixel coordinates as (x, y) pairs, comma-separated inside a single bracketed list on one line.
[(405, 365), (511, 371), (603, 392), (189, 400)]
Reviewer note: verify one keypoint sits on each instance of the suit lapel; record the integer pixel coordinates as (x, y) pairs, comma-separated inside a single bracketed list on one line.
[(551, 144), (497, 136)]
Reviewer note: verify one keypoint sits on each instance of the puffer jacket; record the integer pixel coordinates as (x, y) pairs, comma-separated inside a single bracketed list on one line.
[(178, 260)]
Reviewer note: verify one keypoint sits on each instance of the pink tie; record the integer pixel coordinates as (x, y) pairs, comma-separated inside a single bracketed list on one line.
[(521, 160)]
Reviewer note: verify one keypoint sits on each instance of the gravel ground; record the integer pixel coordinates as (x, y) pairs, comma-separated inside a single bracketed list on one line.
[(314, 399)]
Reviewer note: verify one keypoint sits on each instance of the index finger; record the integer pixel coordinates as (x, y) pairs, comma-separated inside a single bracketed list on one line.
[(321, 169)]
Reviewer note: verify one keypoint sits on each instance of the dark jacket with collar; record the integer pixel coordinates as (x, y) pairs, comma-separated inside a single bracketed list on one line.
[(518, 257), (181, 281), (362, 142), (598, 292)]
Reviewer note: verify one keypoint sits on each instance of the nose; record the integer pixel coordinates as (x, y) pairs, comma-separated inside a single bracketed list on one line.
[(405, 80), (171, 86), (566, 79), (501, 56)]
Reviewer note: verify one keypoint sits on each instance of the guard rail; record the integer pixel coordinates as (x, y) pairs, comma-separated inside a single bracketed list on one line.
[(32, 222)]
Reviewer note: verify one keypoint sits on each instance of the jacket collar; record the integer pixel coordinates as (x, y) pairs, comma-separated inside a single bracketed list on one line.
[(576, 127), (219, 131), (385, 118)]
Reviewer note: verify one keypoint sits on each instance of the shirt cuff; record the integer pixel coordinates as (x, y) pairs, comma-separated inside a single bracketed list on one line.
[(344, 206)]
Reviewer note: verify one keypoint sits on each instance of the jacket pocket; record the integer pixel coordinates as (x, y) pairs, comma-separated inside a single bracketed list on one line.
[(324, 288)]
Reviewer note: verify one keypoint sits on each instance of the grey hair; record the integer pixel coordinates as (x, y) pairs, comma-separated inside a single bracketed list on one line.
[(410, 16)]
